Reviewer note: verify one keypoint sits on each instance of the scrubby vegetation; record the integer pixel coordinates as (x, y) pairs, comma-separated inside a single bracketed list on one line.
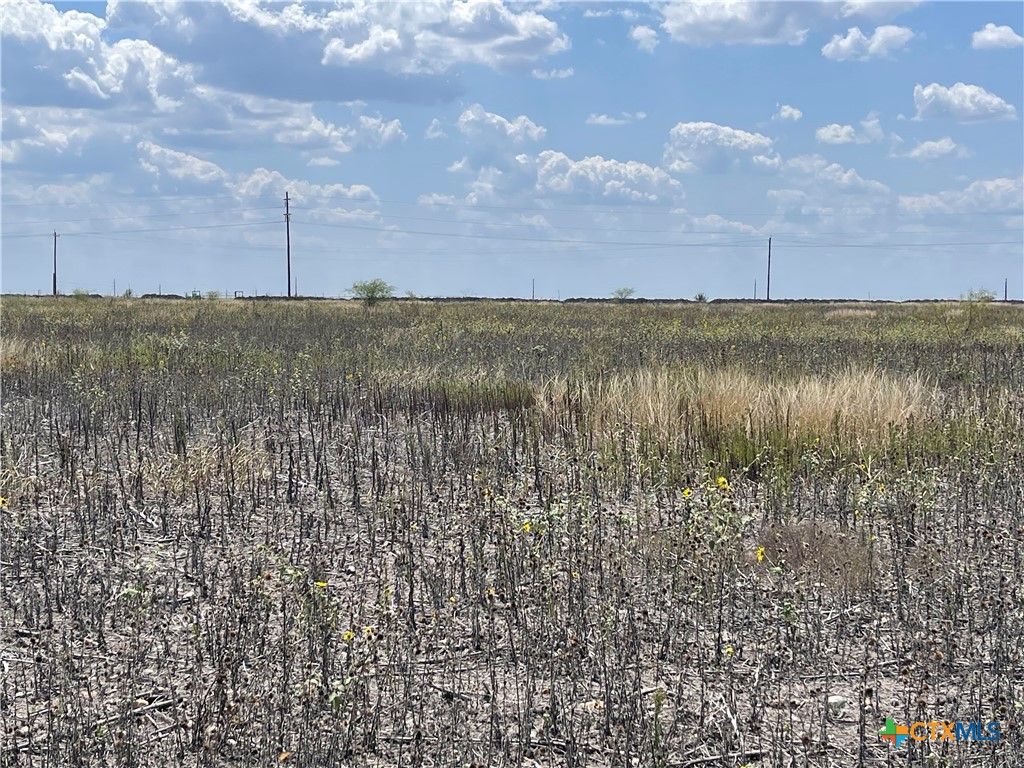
[(253, 533)]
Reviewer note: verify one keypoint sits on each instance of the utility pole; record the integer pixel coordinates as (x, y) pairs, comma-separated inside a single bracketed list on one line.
[(533, 289), (755, 289), (55, 236), (768, 290), (288, 240)]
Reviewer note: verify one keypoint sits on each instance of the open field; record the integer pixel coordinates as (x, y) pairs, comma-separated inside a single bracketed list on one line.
[(246, 533)]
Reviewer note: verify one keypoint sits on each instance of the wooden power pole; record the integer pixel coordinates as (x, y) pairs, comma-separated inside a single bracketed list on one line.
[(288, 240), (55, 236), (768, 289)]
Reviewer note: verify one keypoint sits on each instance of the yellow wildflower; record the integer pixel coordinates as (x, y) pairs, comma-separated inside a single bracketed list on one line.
[(349, 636), (723, 483), (687, 493), (527, 526), (760, 554), (3, 502), (321, 584)]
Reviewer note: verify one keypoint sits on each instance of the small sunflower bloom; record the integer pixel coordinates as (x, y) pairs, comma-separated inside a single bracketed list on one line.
[(723, 483), (3, 502), (527, 527), (760, 554), (348, 636), (687, 493), (321, 584)]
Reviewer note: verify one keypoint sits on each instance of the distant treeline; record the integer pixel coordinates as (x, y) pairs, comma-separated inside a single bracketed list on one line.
[(513, 299)]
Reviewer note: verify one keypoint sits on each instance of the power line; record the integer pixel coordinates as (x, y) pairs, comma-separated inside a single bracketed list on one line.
[(147, 216), (182, 241), (737, 243), (664, 211), (342, 211), (737, 239), (133, 197), (571, 228), (163, 229), (542, 209), (899, 245)]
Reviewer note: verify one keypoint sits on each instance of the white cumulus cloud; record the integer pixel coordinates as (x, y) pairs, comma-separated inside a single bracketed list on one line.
[(877, 10), (983, 196), (335, 52), (376, 131), (871, 131), (730, 23), (961, 102), (434, 130), (932, 150), (764, 22), (786, 112), (712, 147), (553, 74), (646, 39), (624, 118), (179, 165), (599, 178), (478, 123), (857, 46), (836, 134), (991, 36)]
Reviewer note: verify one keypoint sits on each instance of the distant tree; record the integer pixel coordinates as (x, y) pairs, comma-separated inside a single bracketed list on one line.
[(623, 294), (979, 296), (372, 292), (80, 293), (129, 294), (700, 297), (213, 294)]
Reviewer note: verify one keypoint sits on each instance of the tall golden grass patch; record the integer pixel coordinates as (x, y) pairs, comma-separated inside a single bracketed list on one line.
[(851, 404)]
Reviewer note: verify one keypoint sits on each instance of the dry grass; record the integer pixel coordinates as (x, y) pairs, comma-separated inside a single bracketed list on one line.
[(850, 313), (304, 535), (16, 353), (821, 552), (854, 403)]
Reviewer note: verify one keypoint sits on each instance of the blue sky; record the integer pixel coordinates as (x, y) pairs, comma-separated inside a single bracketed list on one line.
[(473, 148)]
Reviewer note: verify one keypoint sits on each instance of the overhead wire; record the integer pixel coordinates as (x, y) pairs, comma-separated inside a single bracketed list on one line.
[(149, 215), (549, 226), (518, 239)]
